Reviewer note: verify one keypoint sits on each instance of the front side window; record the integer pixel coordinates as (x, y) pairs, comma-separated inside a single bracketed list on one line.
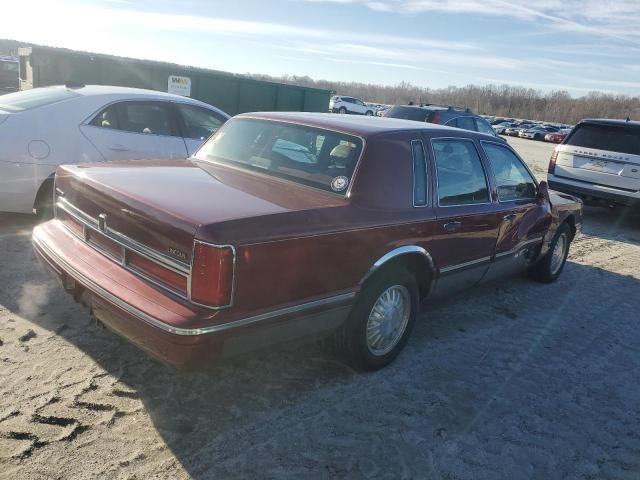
[(315, 157), (484, 127), (199, 123), (513, 180), (461, 178)]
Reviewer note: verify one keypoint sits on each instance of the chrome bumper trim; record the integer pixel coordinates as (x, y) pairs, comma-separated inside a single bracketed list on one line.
[(136, 312)]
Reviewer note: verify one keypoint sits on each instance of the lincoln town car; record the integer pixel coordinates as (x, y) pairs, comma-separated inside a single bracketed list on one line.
[(290, 225)]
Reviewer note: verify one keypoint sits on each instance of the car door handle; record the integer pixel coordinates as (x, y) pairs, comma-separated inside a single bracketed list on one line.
[(452, 226), (118, 148), (509, 217)]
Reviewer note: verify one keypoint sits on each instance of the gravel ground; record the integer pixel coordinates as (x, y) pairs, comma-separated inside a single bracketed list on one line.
[(513, 380)]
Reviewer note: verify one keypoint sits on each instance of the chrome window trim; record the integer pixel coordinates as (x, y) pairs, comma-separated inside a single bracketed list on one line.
[(233, 275), (522, 162), (426, 175), (435, 162), (130, 309)]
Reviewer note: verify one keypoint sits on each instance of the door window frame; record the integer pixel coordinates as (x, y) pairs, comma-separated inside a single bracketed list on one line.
[(427, 192)]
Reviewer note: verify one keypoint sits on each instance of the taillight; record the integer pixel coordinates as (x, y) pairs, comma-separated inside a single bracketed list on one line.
[(157, 272), (435, 118), (212, 274), (552, 162)]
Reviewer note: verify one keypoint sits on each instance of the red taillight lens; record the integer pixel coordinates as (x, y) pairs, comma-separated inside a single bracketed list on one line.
[(552, 162), (435, 118), (212, 275), (157, 272)]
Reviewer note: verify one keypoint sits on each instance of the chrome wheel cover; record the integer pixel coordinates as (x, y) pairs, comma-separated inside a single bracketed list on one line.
[(388, 320), (558, 254)]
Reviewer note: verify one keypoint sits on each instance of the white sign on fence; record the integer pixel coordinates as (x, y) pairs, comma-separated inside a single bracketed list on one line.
[(179, 85)]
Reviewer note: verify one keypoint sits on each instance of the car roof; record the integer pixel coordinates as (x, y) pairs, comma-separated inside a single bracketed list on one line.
[(362, 126), (611, 122), (110, 90)]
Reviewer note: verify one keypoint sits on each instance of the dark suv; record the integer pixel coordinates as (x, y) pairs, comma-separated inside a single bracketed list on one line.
[(449, 116)]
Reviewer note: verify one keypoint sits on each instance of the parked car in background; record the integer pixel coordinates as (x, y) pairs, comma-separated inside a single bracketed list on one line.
[(343, 104), (557, 137), (9, 74), (515, 131), (46, 127), (177, 263), (502, 127), (448, 116), (599, 161), (537, 133)]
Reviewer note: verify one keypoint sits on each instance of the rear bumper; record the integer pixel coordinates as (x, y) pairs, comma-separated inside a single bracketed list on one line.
[(594, 192), (159, 324)]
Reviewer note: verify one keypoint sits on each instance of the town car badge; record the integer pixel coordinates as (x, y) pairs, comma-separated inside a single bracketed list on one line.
[(339, 183)]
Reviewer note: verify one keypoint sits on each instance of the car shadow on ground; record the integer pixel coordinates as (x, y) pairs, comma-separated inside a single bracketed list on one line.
[(298, 408)]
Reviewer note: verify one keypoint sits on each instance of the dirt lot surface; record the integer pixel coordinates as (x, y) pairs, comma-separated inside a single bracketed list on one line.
[(514, 380)]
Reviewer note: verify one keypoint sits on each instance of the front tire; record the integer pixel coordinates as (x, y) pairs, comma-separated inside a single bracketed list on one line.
[(369, 113), (549, 268), (342, 110), (381, 320)]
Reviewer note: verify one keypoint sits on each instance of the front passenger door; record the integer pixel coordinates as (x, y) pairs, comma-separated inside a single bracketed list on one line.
[(135, 130), (524, 219)]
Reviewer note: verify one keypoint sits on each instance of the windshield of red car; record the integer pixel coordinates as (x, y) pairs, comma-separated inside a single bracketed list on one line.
[(315, 157)]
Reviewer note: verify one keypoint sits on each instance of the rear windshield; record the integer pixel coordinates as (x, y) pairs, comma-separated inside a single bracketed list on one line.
[(606, 137), (38, 97), (408, 113), (315, 157)]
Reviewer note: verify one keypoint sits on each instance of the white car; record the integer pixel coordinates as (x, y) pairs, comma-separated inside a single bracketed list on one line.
[(46, 127), (599, 161), (342, 104)]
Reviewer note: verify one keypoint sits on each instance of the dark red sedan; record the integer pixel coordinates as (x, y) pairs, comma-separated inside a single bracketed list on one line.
[(286, 225)]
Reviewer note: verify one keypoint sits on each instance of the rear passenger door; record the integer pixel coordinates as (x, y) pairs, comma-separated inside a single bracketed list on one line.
[(467, 223), (524, 220), (135, 130)]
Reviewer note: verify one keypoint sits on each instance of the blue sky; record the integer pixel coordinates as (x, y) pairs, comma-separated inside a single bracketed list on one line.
[(573, 45)]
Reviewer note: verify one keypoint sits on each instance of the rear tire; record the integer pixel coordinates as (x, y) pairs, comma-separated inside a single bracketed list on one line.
[(549, 268), (381, 320)]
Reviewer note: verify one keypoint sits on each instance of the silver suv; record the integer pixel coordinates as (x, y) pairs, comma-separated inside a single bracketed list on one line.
[(599, 161)]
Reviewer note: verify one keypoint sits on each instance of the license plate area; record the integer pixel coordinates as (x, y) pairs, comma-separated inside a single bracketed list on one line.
[(598, 165)]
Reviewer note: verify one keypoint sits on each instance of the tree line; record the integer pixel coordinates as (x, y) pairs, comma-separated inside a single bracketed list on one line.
[(499, 100)]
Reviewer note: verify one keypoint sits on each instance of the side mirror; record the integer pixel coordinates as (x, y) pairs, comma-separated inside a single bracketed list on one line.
[(543, 193)]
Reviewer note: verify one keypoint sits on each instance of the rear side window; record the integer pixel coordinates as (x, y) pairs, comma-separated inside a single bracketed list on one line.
[(151, 118), (466, 123), (37, 97), (461, 178), (419, 174), (606, 137), (408, 113)]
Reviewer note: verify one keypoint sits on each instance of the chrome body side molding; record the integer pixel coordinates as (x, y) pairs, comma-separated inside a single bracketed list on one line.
[(145, 317)]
